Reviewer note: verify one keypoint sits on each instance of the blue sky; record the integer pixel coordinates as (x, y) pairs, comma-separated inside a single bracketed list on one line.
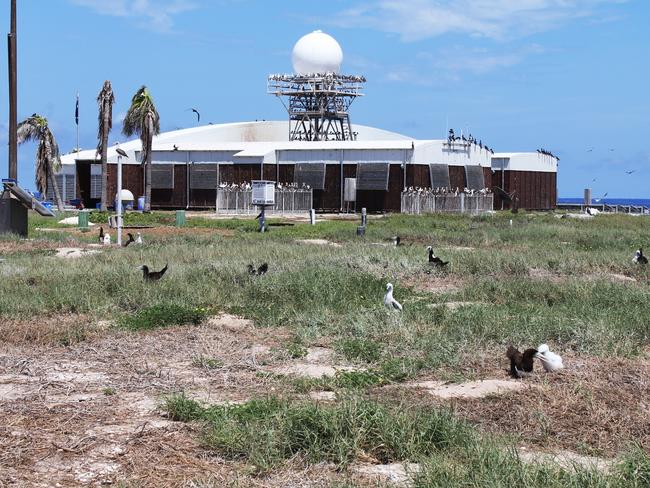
[(572, 76)]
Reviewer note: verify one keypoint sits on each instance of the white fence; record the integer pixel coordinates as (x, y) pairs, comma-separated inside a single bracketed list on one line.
[(240, 202), (419, 203)]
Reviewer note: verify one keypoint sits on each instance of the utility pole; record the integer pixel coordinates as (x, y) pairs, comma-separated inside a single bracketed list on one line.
[(13, 97)]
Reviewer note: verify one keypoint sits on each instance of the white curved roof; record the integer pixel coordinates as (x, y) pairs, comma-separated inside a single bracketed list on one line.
[(212, 136)]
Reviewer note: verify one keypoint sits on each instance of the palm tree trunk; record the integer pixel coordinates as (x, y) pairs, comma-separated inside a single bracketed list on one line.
[(147, 179), (104, 156), (55, 187)]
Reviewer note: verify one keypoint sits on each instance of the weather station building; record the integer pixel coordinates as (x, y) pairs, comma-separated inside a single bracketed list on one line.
[(317, 146)]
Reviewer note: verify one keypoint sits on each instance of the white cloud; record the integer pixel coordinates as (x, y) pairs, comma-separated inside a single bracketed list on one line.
[(454, 63), (156, 15), (415, 20)]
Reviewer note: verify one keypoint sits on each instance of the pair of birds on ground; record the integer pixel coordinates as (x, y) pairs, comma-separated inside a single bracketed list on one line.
[(390, 301), (264, 267), (433, 259), (106, 238), (521, 364), (157, 275)]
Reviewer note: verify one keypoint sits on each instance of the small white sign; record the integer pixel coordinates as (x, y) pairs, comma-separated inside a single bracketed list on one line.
[(263, 192)]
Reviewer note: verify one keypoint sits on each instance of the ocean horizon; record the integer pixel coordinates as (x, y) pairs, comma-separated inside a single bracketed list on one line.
[(609, 201)]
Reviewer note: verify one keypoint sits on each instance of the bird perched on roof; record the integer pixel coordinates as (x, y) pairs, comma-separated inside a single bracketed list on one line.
[(152, 275), (434, 260), (101, 235), (389, 301), (138, 238), (107, 239), (550, 361), (639, 258), (520, 364), (129, 240)]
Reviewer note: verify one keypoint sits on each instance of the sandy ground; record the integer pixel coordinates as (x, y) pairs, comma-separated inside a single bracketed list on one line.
[(89, 414)]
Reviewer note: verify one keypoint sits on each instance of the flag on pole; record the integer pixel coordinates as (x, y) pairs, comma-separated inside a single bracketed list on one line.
[(76, 111)]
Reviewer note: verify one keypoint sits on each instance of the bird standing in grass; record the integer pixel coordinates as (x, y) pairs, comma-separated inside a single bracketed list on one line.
[(251, 270), (550, 361), (639, 258), (107, 239), (138, 238), (397, 240), (129, 240), (520, 364), (152, 275), (101, 235), (434, 260), (389, 301)]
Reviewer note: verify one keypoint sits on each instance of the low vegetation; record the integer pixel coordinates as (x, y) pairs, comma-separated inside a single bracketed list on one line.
[(566, 282)]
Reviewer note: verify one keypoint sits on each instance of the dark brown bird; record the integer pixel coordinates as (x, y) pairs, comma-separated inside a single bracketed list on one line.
[(263, 269), (520, 364), (129, 240), (152, 275), (101, 235), (251, 269)]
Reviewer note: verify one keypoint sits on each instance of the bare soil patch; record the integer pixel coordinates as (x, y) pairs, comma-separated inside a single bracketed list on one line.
[(568, 460), (89, 414), (469, 389), (436, 284), (318, 242), (594, 405), (396, 474), (74, 252), (318, 362)]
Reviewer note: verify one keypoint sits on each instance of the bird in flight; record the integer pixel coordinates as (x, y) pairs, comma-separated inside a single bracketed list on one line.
[(198, 115), (630, 172)]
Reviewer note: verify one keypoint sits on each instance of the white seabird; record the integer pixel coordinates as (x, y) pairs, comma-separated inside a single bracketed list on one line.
[(138, 239), (389, 301), (550, 361)]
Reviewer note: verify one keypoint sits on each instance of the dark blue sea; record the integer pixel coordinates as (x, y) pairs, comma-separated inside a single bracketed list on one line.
[(610, 201)]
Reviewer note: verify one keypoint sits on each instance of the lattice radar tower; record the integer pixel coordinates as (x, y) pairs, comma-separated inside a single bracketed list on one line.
[(317, 97)]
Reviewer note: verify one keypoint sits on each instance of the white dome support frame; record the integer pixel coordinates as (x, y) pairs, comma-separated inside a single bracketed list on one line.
[(318, 104)]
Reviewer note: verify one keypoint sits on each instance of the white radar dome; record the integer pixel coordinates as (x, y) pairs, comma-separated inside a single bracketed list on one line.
[(316, 52)]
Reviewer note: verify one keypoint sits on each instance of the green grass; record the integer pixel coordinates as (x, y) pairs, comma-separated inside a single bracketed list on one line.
[(268, 432), (333, 295), (162, 316)]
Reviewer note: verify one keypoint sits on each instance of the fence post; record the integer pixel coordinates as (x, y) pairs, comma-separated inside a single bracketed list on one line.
[(462, 203)]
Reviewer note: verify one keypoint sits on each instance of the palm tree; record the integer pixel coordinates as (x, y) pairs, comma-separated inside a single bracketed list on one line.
[(105, 101), (48, 160), (142, 119)]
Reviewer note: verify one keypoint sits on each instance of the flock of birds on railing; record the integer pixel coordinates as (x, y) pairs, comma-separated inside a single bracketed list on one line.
[(310, 76), (443, 190), (541, 150), (452, 137), (246, 186)]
